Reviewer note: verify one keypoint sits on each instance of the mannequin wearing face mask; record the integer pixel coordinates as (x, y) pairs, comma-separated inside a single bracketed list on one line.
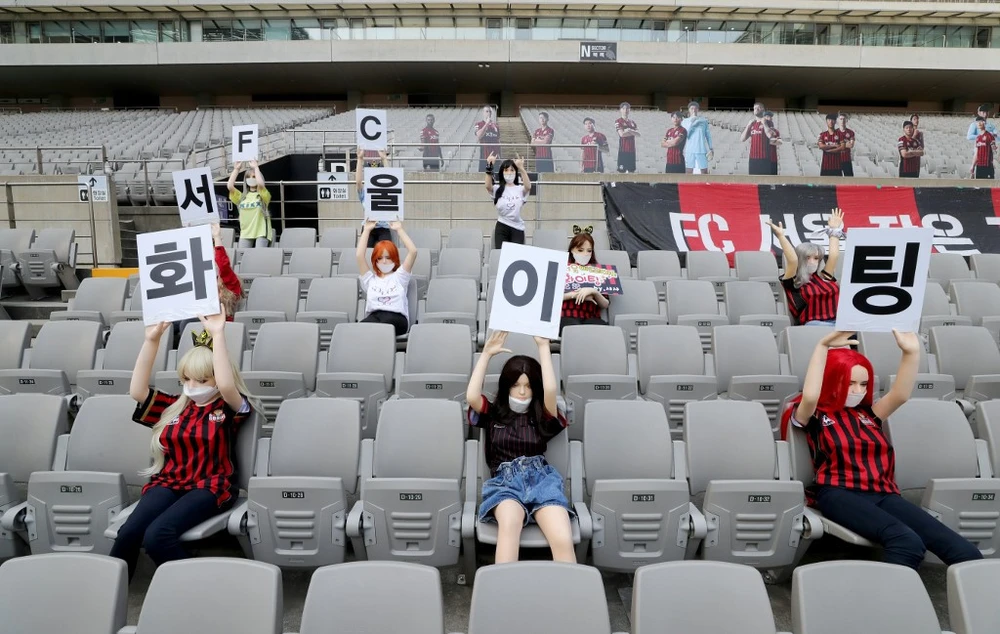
[(516, 428), (255, 221), (812, 292), (509, 195), (386, 281), (855, 483), (582, 306)]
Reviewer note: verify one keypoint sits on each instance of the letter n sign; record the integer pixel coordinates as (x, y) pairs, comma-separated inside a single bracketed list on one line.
[(527, 296), (884, 279)]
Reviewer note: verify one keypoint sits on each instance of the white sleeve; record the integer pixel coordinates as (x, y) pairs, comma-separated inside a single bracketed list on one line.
[(366, 279)]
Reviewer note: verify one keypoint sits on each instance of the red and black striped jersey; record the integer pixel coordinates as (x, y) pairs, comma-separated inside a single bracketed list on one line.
[(846, 135), (758, 140), (675, 154), (544, 151), (198, 447), (772, 150), (592, 145), (814, 300), (517, 437), (430, 138), (908, 165), (831, 160), (489, 143), (985, 145), (626, 143)]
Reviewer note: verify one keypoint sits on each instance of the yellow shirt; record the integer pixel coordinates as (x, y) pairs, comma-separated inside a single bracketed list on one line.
[(254, 221)]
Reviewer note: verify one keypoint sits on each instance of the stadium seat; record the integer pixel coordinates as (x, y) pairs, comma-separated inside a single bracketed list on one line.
[(517, 343), (275, 299), (834, 597), (437, 362), (581, 608), (694, 303), (60, 350), (50, 262), (883, 352), (96, 300), (294, 238), (459, 263), (986, 266), (740, 479), (451, 301), (972, 604), (939, 311), (295, 513), (253, 586), (167, 381), (309, 264), (554, 239), (686, 374), (637, 486), (987, 429), (282, 363), (948, 267), (601, 239), (712, 266), (411, 506), (340, 241), (970, 355), (69, 507), (330, 301), (343, 595), (659, 267), (752, 304), (228, 237), (428, 240), (63, 592), (348, 265), (798, 342), (133, 307), (618, 259), (980, 302), (32, 427), (256, 263), (757, 266), (637, 306), (466, 238), (15, 338), (748, 368), (360, 366), (13, 242), (596, 365), (939, 467), (712, 597), (113, 367)]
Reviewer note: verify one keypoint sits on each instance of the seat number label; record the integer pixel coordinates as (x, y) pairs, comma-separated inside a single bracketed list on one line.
[(685, 388), (433, 386), (348, 386), (266, 383), (643, 497), (925, 386), (984, 497), (765, 388), (293, 495), (411, 497), (756, 499), (26, 381), (71, 488), (106, 382), (602, 387)]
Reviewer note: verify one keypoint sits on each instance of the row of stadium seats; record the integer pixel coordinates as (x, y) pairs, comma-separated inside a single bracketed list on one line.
[(669, 598), (38, 263), (725, 491)]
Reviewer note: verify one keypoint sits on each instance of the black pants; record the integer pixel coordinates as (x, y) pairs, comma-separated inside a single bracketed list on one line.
[(377, 235), (759, 167), (626, 161), (847, 168), (397, 320), (158, 522), (984, 171), (505, 233), (544, 165), (592, 170), (432, 164), (577, 321), (829, 172), (774, 167), (903, 174), (674, 168)]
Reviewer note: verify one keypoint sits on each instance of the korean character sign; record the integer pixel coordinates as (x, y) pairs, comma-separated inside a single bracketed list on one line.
[(177, 274), (196, 196), (884, 279), (528, 294), (384, 193)]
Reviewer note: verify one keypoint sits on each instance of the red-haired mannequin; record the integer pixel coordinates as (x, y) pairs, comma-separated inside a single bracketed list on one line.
[(386, 282)]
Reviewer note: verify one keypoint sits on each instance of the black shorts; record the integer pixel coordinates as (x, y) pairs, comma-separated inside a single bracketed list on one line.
[(760, 167), (847, 168), (676, 168), (626, 161), (432, 164), (594, 170), (830, 172), (984, 171), (774, 167), (544, 165)]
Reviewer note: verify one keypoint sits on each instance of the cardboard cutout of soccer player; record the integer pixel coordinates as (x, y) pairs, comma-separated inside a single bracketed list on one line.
[(698, 149)]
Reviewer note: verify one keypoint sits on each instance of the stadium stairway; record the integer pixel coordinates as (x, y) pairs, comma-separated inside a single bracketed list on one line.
[(512, 130)]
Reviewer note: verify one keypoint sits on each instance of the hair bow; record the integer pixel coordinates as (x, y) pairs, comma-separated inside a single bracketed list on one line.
[(202, 338), (577, 230)]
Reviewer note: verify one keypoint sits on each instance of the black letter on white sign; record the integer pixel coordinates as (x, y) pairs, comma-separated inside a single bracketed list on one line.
[(364, 128), (529, 291), (244, 138)]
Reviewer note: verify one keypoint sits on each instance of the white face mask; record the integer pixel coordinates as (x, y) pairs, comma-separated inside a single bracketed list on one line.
[(812, 267), (509, 177), (386, 267), (517, 405), (582, 258), (251, 182), (201, 395), (854, 399)]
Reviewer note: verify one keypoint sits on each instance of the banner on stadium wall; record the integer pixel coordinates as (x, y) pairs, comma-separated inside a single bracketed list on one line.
[(732, 217)]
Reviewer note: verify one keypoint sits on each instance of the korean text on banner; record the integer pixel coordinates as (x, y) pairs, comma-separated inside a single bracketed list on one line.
[(196, 196), (177, 274), (884, 279), (384, 193), (527, 296), (371, 129), (603, 277), (246, 142)]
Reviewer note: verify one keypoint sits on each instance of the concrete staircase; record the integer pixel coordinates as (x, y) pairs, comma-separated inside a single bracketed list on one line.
[(512, 131)]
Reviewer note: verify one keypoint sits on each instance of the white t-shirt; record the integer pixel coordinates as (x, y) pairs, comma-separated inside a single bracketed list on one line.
[(509, 205), (387, 292)]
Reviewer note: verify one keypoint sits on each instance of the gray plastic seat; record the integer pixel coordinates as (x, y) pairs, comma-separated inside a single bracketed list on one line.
[(228, 237), (972, 604), (297, 238), (986, 266), (412, 507), (595, 366), (96, 300), (348, 265), (694, 303), (712, 266), (601, 238), (618, 259), (517, 343), (685, 374), (168, 381), (938, 467), (69, 507), (234, 581), (296, 506), (437, 362), (340, 240), (343, 595), (638, 493), (970, 355), (50, 262), (360, 366), (659, 267), (330, 301), (752, 304), (32, 427), (282, 364), (738, 478), (799, 342), (15, 338), (757, 266), (883, 352), (980, 302), (466, 238), (948, 267), (133, 307), (748, 368), (12, 243), (939, 311), (257, 263), (428, 240), (275, 299), (91, 593), (554, 239), (637, 306), (581, 608), (113, 367), (459, 263), (451, 301), (988, 430), (878, 597), (61, 349), (710, 597), (307, 264)]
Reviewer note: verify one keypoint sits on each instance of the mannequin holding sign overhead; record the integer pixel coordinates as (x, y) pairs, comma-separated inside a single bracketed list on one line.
[(812, 292), (255, 221), (386, 281)]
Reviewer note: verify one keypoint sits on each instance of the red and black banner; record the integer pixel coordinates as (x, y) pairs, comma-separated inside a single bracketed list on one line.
[(731, 217)]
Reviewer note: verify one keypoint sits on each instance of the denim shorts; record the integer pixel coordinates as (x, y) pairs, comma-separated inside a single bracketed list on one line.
[(530, 481)]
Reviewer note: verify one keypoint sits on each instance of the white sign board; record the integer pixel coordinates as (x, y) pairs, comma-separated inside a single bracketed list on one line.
[(177, 274), (332, 186), (384, 193), (93, 187), (196, 196), (884, 279), (528, 294), (245, 142), (371, 129)]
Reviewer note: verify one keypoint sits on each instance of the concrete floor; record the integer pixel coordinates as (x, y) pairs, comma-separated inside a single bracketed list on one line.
[(618, 589)]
